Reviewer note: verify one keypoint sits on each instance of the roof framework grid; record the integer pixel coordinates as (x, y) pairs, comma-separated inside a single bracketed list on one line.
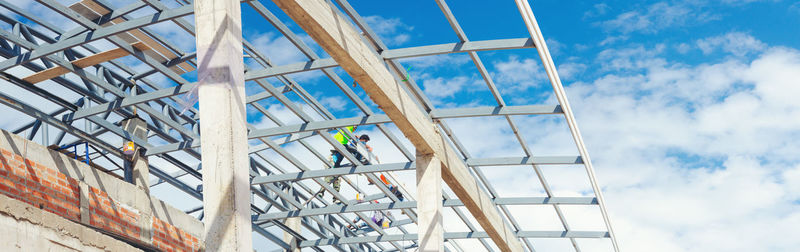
[(87, 103)]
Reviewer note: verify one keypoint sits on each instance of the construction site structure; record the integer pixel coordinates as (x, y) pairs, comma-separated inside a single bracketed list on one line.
[(107, 150)]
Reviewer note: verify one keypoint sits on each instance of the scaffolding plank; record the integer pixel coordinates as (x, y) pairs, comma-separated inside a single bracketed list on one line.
[(82, 63)]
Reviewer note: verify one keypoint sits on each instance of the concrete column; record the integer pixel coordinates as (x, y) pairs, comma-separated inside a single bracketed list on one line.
[(294, 224), (140, 174), (45, 134), (223, 135), (84, 203), (429, 203)]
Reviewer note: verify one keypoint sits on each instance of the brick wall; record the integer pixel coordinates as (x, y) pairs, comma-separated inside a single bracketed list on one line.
[(56, 192), (168, 237), (39, 186), (112, 216)]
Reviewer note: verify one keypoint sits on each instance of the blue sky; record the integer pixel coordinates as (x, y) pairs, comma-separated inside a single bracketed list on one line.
[(689, 110), (580, 35)]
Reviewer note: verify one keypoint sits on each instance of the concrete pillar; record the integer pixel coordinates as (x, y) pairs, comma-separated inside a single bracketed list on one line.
[(45, 134), (140, 171), (84, 203), (294, 224), (429, 203), (223, 135)]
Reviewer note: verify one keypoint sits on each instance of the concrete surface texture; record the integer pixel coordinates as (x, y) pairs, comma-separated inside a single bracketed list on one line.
[(27, 228), (223, 131), (429, 203)]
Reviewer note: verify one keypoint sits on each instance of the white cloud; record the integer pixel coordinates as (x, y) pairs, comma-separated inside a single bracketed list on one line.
[(658, 16), (633, 57), (683, 48), (441, 87), (391, 30), (277, 48), (688, 156), (736, 43), (333, 102), (597, 10), (178, 37), (515, 75), (554, 46), (568, 70), (692, 156), (286, 116), (613, 39), (280, 51)]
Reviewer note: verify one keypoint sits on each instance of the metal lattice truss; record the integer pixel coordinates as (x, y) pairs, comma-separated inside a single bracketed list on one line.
[(93, 89)]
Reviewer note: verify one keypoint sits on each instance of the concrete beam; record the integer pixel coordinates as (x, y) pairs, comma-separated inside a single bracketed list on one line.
[(333, 32), (226, 187)]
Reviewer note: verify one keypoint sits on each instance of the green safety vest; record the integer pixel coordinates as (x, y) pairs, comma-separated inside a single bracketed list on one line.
[(341, 137)]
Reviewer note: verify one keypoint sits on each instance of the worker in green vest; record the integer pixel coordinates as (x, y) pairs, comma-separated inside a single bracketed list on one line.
[(337, 158), (350, 146)]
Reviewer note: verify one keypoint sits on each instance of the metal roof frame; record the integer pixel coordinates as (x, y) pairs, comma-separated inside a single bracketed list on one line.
[(31, 41)]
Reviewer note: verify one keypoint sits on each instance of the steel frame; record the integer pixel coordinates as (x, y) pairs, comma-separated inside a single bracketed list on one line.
[(280, 190)]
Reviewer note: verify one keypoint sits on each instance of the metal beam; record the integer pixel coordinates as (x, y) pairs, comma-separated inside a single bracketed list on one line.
[(308, 129), (413, 204), (408, 166), (410, 52), (378, 118), (456, 235)]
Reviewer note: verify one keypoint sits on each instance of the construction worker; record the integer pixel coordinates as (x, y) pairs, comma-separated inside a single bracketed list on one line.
[(334, 181), (337, 158), (392, 188), (350, 146), (377, 217)]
